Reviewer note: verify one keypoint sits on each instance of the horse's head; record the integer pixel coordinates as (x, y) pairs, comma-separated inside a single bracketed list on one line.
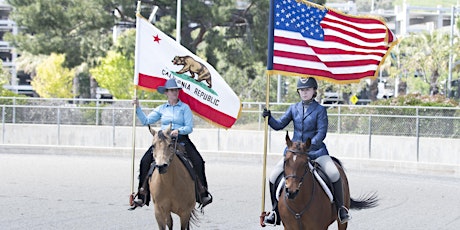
[(295, 165), (163, 148)]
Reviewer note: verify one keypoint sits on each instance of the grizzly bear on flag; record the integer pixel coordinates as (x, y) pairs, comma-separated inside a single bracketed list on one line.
[(193, 67)]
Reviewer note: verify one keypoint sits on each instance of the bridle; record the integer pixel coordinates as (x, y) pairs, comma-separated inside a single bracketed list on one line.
[(297, 152), (298, 215), (172, 146)]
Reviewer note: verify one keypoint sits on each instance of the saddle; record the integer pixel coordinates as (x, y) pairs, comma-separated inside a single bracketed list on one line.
[(183, 158)]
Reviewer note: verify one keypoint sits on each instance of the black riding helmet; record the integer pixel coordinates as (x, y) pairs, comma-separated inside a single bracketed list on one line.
[(303, 83)]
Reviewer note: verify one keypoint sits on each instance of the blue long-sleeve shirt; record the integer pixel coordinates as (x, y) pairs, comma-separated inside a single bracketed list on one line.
[(179, 116)]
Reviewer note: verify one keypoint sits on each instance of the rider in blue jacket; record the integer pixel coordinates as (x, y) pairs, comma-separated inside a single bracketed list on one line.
[(310, 121)]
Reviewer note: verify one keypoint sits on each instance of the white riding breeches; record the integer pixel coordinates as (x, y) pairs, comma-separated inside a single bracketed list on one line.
[(328, 166), (325, 161)]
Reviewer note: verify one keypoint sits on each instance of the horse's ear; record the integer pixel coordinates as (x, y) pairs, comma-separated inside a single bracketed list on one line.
[(288, 139), (168, 130), (152, 131)]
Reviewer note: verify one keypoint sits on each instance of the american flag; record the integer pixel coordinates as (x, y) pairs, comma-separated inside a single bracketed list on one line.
[(315, 41)]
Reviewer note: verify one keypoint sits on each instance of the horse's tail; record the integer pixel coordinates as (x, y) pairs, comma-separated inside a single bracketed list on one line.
[(194, 218), (369, 200)]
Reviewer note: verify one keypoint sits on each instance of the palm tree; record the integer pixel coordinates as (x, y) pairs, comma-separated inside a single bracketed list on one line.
[(425, 55)]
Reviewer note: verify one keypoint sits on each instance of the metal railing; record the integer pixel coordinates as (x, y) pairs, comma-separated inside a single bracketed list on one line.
[(348, 119)]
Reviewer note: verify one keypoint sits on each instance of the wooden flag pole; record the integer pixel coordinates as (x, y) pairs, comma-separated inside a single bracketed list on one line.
[(133, 154), (264, 167)]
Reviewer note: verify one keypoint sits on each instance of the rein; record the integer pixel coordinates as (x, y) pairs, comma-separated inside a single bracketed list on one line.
[(298, 215)]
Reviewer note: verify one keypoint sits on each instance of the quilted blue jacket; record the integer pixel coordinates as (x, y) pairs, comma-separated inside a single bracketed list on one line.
[(310, 124)]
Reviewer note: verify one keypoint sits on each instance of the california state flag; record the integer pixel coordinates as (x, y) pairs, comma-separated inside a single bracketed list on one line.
[(159, 58)]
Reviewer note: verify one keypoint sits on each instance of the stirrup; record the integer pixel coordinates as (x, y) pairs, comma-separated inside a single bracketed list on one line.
[(137, 202), (275, 218), (205, 200), (348, 215)]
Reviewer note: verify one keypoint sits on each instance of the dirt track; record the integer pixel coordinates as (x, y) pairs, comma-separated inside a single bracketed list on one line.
[(82, 192)]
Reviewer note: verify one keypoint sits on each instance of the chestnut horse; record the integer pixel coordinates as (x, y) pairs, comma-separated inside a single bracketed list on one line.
[(303, 204), (171, 186)]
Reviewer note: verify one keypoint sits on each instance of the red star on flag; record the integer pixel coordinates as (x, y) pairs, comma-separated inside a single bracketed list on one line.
[(156, 39)]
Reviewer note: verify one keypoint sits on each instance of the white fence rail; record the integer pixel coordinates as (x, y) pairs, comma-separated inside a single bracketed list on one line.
[(415, 134)]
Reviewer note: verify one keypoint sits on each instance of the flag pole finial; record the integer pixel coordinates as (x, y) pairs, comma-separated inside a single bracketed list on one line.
[(138, 8)]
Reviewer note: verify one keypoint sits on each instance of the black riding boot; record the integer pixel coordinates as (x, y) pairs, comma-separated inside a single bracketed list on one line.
[(342, 210), (205, 196), (274, 217), (143, 193)]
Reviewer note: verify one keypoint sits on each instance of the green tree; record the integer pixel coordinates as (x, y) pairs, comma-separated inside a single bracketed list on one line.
[(52, 79), (4, 76), (80, 29), (425, 56), (115, 73), (28, 63)]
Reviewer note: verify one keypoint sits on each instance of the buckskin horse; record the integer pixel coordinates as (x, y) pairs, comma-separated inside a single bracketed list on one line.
[(303, 204), (171, 186)]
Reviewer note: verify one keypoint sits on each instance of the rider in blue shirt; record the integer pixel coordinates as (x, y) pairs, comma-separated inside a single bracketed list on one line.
[(178, 115), (310, 121)]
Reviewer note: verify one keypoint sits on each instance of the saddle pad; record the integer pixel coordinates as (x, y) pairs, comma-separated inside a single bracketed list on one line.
[(318, 178)]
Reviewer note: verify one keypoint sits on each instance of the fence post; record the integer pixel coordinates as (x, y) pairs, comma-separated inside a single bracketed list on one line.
[(370, 136), (417, 131), (339, 122), (3, 124), (113, 126), (14, 110), (97, 112), (59, 125)]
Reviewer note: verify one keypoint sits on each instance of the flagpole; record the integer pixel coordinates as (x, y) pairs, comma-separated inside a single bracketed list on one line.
[(133, 144), (267, 100), (264, 168), (178, 20)]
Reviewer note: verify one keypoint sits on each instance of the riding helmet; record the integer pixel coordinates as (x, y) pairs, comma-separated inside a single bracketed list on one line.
[(303, 83)]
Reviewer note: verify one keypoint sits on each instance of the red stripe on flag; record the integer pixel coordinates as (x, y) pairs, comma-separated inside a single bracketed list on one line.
[(335, 51), (342, 31), (278, 53), (361, 20), (207, 112), (150, 82), (322, 73), (289, 41)]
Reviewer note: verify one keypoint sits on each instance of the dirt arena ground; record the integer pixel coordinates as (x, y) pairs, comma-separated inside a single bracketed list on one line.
[(91, 192)]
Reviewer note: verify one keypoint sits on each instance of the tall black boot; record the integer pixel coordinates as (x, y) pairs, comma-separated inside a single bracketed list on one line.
[(145, 170), (205, 196), (342, 210), (274, 217)]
